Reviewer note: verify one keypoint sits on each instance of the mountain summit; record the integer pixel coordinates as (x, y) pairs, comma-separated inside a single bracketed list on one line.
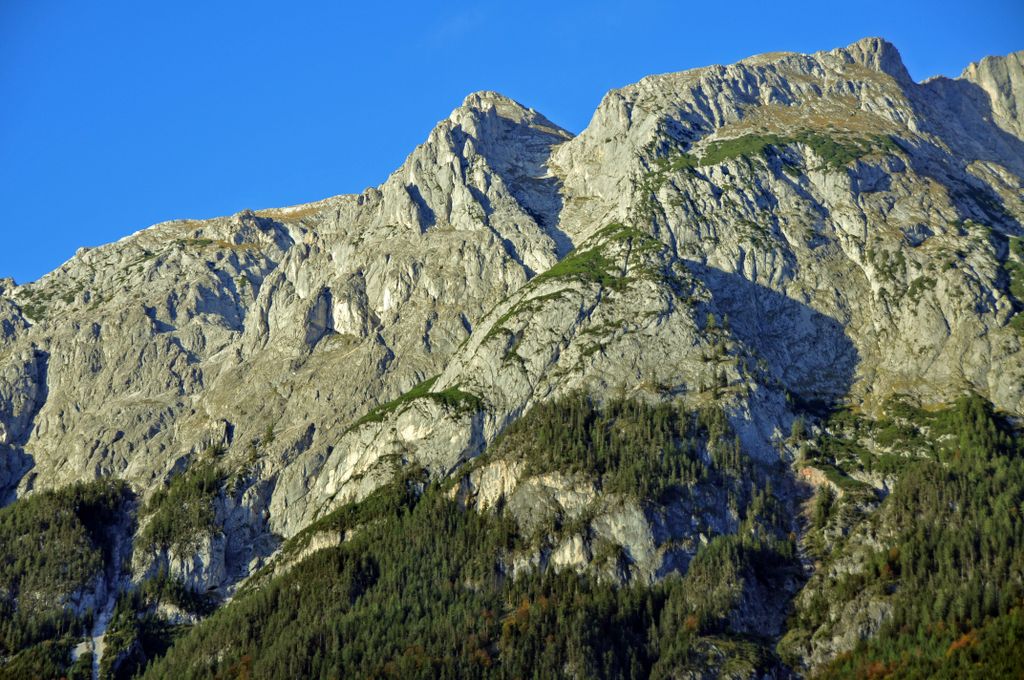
[(647, 351)]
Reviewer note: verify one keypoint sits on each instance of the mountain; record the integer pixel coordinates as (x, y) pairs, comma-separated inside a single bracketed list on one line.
[(722, 369)]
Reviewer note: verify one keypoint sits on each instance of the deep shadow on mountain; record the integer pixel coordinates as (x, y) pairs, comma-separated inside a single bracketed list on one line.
[(14, 465), (15, 461), (808, 352), (524, 172), (960, 113)]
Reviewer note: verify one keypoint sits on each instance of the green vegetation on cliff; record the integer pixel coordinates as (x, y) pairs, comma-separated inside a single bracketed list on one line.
[(451, 398), (420, 593), (54, 547), (181, 514), (834, 151), (948, 541), (421, 586), (630, 446)]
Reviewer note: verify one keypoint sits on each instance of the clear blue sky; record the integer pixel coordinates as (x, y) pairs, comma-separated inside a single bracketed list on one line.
[(118, 115)]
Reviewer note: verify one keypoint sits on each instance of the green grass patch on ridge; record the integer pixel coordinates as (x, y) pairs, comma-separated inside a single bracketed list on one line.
[(453, 398), (834, 152)]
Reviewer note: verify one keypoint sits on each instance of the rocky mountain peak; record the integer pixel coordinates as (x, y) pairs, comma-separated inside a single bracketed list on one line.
[(878, 54), (1002, 78), (486, 102), (485, 167)]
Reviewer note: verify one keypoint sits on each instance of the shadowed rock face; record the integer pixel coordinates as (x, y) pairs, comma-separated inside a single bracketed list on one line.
[(1002, 79), (793, 229)]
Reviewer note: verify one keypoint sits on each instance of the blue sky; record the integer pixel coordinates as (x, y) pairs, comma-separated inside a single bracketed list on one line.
[(118, 115)]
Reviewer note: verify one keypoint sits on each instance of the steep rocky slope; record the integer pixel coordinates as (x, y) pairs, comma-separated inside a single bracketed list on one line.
[(764, 241)]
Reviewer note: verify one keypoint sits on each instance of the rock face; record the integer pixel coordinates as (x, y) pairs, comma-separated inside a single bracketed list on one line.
[(788, 230), (1001, 79)]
